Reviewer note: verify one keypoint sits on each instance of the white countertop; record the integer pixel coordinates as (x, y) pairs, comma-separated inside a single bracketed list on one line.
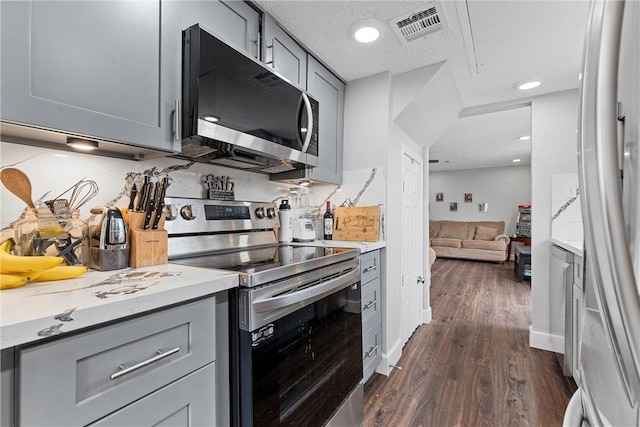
[(574, 246), (39, 310), (363, 246)]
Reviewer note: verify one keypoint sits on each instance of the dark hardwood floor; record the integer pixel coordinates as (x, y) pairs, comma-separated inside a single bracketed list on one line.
[(472, 365)]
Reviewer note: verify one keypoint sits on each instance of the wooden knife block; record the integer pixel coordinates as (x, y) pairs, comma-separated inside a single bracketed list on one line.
[(146, 247)]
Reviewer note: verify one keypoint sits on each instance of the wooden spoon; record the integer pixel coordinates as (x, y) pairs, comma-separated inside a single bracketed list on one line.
[(18, 183)]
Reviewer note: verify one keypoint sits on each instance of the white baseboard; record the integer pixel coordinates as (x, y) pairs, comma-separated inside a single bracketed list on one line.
[(546, 341), (427, 315), (390, 357)]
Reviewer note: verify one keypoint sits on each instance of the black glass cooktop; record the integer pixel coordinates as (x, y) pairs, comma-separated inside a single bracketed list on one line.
[(250, 261)]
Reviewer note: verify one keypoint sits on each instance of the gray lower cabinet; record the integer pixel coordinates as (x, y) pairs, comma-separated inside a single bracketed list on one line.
[(108, 70), (7, 386), (328, 90), (371, 313), (186, 402), (282, 53), (157, 368), (576, 316), (235, 22)]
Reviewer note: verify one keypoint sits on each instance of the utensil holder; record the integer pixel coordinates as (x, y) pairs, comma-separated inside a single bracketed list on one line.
[(146, 247)]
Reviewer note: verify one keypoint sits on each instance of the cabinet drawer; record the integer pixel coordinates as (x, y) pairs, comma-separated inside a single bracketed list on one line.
[(79, 379), (371, 350), (370, 266), (190, 401), (370, 304)]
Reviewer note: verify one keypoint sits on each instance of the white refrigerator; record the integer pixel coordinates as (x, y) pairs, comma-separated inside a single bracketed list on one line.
[(609, 169)]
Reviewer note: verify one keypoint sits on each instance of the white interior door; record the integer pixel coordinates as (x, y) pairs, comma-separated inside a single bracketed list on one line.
[(412, 247)]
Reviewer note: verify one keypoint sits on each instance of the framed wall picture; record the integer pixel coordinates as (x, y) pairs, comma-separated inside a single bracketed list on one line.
[(483, 207), (453, 206), (468, 197), (439, 197)]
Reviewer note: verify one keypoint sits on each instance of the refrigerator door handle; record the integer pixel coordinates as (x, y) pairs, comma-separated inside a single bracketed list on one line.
[(605, 227)]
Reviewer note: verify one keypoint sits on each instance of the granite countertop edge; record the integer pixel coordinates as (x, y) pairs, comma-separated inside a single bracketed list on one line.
[(40, 310), (363, 246)]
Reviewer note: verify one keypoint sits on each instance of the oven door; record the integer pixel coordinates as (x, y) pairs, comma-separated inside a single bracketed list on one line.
[(297, 370)]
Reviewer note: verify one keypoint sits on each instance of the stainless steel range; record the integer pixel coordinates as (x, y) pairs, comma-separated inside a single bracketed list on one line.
[(296, 344)]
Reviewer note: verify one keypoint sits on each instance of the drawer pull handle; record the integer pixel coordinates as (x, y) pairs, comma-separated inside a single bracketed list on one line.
[(371, 304), (372, 350), (368, 269), (160, 355)]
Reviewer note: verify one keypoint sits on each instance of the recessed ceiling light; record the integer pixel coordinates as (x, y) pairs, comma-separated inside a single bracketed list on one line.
[(524, 137), (211, 119), (531, 84), (367, 31), (516, 160)]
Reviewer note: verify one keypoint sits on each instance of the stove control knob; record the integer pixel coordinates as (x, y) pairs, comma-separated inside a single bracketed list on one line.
[(260, 212), (271, 212), (188, 212), (170, 212)]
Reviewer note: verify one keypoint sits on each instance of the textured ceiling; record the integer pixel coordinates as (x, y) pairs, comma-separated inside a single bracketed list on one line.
[(490, 46)]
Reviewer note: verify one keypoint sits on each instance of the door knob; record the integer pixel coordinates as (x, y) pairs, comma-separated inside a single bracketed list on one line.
[(420, 279)]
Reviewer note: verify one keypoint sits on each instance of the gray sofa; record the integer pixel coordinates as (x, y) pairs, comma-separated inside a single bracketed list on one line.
[(475, 240)]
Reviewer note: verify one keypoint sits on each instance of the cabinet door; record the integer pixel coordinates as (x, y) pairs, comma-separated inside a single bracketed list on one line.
[(105, 69), (234, 22), (81, 378), (190, 401), (575, 329), (283, 54), (328, 90), (7, 387)]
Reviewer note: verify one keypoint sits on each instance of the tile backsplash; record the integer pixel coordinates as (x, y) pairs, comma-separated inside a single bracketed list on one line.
[(52, 172)]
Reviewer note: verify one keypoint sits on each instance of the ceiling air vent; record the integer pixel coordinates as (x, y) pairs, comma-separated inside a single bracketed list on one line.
[(418, 23)]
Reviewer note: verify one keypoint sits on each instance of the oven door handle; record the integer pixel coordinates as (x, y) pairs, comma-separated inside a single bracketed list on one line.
[(311, 294)]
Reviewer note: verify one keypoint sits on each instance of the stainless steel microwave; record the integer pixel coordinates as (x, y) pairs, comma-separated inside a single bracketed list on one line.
[(236, 112)]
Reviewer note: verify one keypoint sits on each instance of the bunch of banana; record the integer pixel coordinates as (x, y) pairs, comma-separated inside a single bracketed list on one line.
[(16, 270)]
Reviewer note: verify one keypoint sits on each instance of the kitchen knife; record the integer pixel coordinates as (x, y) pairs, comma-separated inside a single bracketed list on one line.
[(160, 202), (150, 205), (132, 197), (144, 191)]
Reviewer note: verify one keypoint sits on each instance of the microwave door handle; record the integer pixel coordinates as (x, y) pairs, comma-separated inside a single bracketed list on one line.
[(307, 139)]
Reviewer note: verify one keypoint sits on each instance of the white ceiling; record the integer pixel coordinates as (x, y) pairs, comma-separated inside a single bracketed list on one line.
[(490, 46)]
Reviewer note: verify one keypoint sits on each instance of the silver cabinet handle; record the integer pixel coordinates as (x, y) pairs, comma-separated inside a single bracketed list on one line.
[(371, 304), (372, 350), (368, 269), (176, 120), (159, 356), (307, 139)]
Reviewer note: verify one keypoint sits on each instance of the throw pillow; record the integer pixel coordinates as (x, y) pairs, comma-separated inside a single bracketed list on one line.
[(485, 233), (453, 230)]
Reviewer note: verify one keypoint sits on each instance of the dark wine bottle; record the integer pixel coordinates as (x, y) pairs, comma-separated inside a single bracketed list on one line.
[(328, 223)]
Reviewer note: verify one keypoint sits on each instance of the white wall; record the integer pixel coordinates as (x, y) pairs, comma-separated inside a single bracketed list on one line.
[(554, 123), (502, 188), (368, 142)]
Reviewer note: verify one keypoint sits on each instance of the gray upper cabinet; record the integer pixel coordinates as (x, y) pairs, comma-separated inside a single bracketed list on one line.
[(328, 90), (109, 70), (283, 54), (235, 22)]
